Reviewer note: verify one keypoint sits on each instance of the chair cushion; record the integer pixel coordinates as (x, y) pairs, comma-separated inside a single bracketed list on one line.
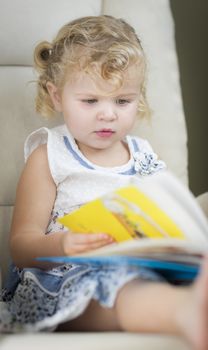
[(25, 23), (91, 341), (5, 221), (19, 119)]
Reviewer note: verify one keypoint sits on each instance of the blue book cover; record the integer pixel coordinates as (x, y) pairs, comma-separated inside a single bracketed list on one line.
[(173, 271)]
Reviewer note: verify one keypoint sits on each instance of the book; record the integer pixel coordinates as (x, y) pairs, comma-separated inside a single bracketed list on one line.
[(155, 221), (173, 271)]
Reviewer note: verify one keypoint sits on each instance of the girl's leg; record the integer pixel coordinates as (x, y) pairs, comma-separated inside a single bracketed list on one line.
[(151, 307), (162, 308), (95, 319)]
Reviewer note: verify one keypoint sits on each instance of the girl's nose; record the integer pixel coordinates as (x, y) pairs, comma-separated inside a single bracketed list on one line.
[(107, 113)]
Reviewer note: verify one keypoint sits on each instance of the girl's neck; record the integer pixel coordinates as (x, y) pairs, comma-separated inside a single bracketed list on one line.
[(117, 155)]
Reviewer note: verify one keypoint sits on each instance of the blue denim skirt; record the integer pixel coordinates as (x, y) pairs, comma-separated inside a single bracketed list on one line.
[(35, 300)]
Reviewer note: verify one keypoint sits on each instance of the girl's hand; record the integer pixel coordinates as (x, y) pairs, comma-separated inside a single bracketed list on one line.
[(77, 243)]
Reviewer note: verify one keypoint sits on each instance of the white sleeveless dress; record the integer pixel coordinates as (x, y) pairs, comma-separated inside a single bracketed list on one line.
[(40, 300)]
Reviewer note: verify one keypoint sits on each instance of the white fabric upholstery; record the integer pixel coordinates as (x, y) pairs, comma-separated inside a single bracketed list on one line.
[(90, 341), (203, 202), (23, 24), (18, 119)]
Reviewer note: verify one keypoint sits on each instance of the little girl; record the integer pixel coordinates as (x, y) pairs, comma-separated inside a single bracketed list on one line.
[(93, 73)]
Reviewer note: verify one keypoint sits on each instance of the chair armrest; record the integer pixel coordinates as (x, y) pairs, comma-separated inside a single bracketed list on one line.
[(202, 199)]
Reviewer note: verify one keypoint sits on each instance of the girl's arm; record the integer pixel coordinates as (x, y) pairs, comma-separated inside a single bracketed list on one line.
[(36, 193)]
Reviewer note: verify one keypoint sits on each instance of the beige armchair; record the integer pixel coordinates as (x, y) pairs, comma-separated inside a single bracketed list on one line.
[(23, 24)]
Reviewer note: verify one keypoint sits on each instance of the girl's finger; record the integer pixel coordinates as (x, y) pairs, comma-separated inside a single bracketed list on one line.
[(87, 247), (75, 243), (89, 238)]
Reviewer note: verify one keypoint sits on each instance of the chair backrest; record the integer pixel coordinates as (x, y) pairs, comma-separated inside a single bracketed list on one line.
[(24, 23)]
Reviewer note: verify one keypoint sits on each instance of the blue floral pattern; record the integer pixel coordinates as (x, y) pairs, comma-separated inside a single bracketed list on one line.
[(36, 306), (147, 163)]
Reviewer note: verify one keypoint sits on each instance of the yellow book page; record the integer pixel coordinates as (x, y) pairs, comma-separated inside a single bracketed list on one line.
[(94, 217), (124, 214), (147, 216)]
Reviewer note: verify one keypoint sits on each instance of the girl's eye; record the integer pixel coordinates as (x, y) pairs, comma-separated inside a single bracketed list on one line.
[(90, 101), (122, 101)]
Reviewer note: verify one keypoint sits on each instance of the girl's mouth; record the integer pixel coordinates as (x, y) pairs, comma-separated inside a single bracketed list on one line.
[(105, 133)]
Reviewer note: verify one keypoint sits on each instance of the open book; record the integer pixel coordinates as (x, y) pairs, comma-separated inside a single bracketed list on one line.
[(155, 221)]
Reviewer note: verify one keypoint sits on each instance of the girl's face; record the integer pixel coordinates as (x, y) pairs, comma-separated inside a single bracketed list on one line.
[(96, 117)]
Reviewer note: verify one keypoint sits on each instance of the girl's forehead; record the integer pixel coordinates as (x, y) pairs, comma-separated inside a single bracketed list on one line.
[(85, 83)]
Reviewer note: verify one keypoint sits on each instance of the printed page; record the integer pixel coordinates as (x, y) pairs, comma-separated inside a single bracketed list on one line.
[(155, 207)]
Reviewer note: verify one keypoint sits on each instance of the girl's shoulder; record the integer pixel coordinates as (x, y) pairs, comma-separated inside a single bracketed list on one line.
[(42, 136), (60, 158)]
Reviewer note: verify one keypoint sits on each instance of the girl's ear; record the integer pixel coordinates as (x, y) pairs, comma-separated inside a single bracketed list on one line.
[(55, 96)]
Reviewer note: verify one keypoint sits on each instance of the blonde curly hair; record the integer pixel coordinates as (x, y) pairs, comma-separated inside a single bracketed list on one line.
[(98, 45)]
